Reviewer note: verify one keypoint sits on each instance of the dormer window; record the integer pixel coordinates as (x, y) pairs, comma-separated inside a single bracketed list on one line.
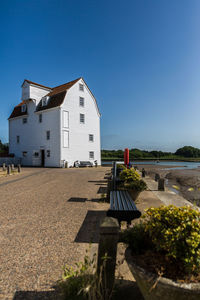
[(23, 108), (45, 101)]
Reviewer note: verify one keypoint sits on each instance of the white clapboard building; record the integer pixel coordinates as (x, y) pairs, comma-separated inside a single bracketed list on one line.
[(55, 126)]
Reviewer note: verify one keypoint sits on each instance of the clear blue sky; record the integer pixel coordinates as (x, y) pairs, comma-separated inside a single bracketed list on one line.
[(141, 59)]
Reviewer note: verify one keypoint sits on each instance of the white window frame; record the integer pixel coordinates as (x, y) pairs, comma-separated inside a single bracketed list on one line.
[(81, 102), (81, 87), (65, 124), (23, 108), (91, 135), (83, 120), (45, 101), (91, 156), (64, 143)]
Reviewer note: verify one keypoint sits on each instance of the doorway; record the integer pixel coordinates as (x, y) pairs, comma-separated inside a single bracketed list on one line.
[(42, 158)]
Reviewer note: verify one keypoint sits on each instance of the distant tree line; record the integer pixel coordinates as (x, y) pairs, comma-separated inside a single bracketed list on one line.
[(186, 151)]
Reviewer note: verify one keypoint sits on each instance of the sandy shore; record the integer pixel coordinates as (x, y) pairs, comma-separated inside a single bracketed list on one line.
[(185, 182)]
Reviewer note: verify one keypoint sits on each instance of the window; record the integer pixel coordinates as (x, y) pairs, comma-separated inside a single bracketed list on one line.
[(24, 153), (24, 120), (65, 119), (81, 87), (40, 118), (81, 101), (48, 134), (17, 139), (65, 139), (91, 137), (44, 101), (36, 154), (48, 153), (91, 155), (82, 118), (23, 108)]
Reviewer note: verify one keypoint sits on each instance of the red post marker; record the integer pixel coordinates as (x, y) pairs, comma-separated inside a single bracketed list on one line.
[(126, 157)]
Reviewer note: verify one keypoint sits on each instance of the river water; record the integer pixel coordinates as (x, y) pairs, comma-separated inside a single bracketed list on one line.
[(177, 164)]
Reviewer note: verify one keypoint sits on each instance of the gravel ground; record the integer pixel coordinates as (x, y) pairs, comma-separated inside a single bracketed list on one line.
[(47, 219)]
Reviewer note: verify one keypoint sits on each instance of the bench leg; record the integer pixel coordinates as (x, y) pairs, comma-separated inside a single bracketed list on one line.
[(129, 224)]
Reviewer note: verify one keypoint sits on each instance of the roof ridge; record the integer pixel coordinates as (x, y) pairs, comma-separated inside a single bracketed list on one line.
[(66, 83)]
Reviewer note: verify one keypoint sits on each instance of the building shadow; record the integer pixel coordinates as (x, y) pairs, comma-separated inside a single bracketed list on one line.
[(89, 230)]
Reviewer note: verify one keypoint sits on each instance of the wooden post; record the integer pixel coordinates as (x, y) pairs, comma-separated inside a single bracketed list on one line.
[(143, 172), (12, 167), (161, 184), (157, 177), (114, 175), (19, 168), (8, 170), (4, 166), (109, 237)]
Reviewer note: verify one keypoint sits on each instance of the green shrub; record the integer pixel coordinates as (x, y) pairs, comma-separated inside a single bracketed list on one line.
[(131, 180), (173, 231), (119, 166), (128, 175), (137, 185)]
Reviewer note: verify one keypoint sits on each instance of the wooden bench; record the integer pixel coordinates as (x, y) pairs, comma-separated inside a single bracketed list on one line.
[(122, 207)]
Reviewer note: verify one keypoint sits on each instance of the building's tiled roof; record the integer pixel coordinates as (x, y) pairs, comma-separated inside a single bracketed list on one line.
[(63, 87), (56, 98), (56, 95), (54, 101), (17, 111)]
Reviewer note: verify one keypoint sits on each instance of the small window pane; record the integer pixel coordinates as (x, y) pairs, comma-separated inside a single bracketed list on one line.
[(24, 153), (48, 135), (40, 118), (24, 120), (81, 87), (65, 139), (81, 101), (17, 139), (91, 154), (91, 137), (48, 153), (82, 118), (23, 108)]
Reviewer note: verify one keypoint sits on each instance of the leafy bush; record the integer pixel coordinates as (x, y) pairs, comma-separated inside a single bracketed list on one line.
[(128, 175), (131, 180), (137, 185), (121, 166), (174, 231)]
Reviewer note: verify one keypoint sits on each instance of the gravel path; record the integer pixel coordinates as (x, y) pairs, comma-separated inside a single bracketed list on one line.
[(47, 219)]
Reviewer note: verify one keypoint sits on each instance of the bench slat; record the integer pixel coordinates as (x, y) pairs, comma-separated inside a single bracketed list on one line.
[(119, 202), (112, 207), (124, 202), (130, 201)]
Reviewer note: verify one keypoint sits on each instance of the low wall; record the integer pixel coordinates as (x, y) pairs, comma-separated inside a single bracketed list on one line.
[(9, 161)]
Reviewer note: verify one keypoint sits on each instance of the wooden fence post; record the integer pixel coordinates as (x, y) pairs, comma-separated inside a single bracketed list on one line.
[(161, 184), (19, 168), (8, 170), (106, 263)]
